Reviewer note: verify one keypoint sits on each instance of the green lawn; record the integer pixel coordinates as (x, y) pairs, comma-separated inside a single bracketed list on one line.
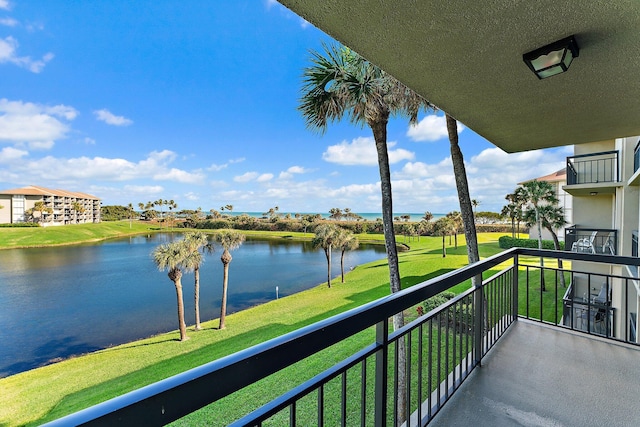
[(20, 237), (52, 391)]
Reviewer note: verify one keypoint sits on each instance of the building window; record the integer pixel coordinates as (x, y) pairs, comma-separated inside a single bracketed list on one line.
[(17, 208)]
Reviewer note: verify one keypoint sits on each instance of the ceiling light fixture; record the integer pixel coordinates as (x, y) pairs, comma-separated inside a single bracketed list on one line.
[(552, 59)]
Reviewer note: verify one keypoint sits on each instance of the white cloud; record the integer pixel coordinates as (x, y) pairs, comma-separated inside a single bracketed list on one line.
[(430, 128), (8, 47), (109, 118), (216, 168), (89, 141), (362, 151), (293, 170), (9, 154), (265, 177), (35, 124), (56, 169), (179, 175), (4, 4), (191, 196), (246, 177), (143, 189), (8, 22)]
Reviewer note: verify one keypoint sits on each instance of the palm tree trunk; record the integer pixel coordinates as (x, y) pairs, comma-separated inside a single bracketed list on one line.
[(556, 245), (379, 129), (462, 185), (542, 284), (223, 304), (196, 297), (342, 264), (327, 253), (181, 323), (444, 250)]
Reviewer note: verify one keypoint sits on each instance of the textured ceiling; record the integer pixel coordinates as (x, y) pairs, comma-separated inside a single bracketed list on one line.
[(465, 56)]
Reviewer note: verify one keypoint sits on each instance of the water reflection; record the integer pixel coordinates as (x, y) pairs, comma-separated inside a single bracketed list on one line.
[(60, 301)]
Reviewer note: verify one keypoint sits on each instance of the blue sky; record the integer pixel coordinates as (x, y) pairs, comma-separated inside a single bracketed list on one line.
[(196, 102)]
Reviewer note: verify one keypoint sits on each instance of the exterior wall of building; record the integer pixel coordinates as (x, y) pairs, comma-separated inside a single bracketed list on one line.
[(66, 207), (618, 211), (5, 212)]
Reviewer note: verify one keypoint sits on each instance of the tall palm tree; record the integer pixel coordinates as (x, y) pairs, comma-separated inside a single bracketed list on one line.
[(512, 212), (347, 241), (538, 194), (171, 257), (326, 237), (552, 218), (341, 83), (443, 227), (475, 203), (229, 240), (197, 241), (456, 224), (462, 185)]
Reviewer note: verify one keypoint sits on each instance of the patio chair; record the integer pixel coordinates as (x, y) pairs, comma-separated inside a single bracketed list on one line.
[(601, 298), (585, 244)]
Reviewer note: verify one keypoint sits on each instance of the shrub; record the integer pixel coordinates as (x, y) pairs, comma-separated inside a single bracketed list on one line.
[(20, 224), (507, 242)]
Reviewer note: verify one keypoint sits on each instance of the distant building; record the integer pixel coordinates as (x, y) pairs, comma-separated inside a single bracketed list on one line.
[(66, 207), (558, 180)]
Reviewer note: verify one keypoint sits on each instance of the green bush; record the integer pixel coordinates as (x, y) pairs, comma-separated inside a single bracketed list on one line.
[(497, 228), (507, 242), (20, 224)]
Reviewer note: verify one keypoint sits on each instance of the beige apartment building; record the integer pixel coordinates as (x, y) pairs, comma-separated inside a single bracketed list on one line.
[(603, 179), (64, 207)]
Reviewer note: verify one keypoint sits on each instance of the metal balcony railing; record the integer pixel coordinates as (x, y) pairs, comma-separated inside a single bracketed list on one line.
[(591, 240), (593, 168), (425, 361)]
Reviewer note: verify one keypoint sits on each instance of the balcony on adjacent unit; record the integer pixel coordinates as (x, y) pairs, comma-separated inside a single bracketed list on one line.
[(593, 173), (498, 353), (591, 240)]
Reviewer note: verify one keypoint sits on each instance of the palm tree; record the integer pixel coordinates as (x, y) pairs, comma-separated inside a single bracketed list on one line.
[(539, 193), (518, 199), (464, 198), (456, 224), (346, 241), (172, 257), (229, 240), (475, 203), (130, 211), (443, 227), (326, 237), (552, 218), (42, 208), (342, 83), (512, 211), (196, 241)]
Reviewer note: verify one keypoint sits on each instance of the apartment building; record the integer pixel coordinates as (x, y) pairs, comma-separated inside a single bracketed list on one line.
[(603, 179), (61, 206)]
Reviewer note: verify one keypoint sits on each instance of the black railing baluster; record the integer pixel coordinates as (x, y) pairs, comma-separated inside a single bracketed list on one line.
[(363, 393)]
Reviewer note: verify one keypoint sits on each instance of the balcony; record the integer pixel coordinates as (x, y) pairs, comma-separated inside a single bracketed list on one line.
[(591, 240), (592, 174), (520, 326)]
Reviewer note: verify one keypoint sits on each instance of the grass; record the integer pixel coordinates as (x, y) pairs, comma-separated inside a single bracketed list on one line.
[(47, 393), (71, 234)]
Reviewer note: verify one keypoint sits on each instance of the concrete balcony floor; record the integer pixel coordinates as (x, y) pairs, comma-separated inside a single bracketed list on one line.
[(539, 375)]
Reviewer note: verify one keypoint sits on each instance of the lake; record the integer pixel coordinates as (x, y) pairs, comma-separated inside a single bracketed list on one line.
[(62, 301)]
